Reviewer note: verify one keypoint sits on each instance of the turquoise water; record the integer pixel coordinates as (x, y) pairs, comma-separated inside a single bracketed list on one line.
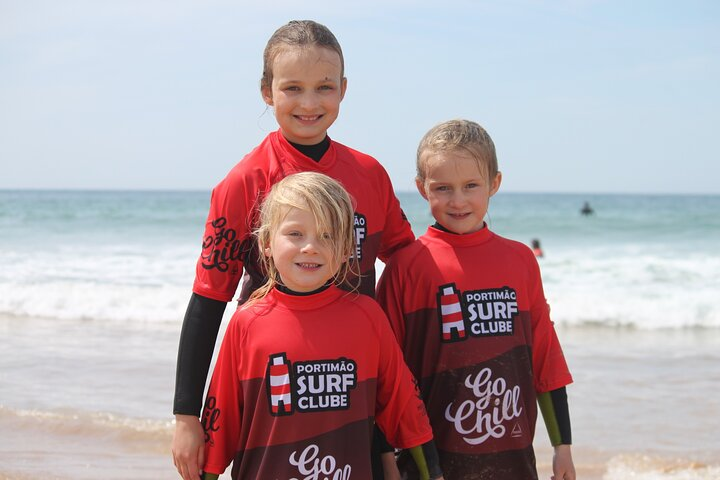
[(648, 261)]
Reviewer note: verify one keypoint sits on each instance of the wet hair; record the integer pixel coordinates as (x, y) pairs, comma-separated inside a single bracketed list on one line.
[(298, 33), (332, 208), (454, 135)]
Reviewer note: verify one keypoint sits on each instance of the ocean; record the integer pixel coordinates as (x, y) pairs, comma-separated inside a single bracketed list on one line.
[(94, 285)]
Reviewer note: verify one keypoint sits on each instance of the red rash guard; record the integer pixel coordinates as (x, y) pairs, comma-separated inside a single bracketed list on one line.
[(228, 247), (298, 383), (470, 314)]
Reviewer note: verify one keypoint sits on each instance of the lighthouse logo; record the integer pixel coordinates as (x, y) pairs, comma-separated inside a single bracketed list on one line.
[(278, 384), (452, 323), (476, 313), (309, 386)]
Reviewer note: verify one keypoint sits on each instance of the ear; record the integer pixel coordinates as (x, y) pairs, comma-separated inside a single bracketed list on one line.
[(421, 187), (268, 252), (495, 186), (343, 88), (266, 93)]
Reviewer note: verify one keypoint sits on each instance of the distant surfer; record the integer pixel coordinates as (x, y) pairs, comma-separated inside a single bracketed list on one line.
[(587, 209), (537, 250)]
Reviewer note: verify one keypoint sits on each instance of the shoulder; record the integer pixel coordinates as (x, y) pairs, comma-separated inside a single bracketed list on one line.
[(364, 307), (409, 254), (251, 174), (367, 161), (408, 267), (516, 251), (513, 245)]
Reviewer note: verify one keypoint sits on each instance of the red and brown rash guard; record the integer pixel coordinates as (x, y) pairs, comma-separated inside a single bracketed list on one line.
[(228, 246), (298, 383), (471, 317)]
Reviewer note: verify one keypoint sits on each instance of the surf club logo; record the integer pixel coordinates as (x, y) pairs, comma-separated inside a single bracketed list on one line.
[(487, 414), (221, 247), (360, 234), (477, 313), (312, 386), (311, 466)]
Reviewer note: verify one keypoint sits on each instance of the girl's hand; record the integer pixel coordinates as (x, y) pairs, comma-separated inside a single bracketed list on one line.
[(563, 466), (188, 446)]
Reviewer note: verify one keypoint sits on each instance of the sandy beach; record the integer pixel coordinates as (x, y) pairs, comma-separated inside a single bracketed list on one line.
[(94, 404)]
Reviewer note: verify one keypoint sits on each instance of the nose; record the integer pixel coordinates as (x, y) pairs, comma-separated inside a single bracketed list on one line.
[(309, 246), (457, 199), (308, 100)]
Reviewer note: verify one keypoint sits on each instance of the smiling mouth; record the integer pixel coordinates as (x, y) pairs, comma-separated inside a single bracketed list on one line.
[(309, 266), (308, 118), (459, 215)]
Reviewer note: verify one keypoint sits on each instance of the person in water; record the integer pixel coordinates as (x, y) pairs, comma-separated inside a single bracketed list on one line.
[(536, 248)]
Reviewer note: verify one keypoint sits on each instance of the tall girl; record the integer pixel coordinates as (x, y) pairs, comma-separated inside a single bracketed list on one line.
[(303, 80), (305, 367)]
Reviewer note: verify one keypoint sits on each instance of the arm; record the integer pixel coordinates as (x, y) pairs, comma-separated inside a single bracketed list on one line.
[(197, 341), (551, 376), (554, 408), (222, 412), (427, 460), (400, 412), (397, 231)]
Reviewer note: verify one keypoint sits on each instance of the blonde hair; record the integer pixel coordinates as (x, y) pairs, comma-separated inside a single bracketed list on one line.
[(332, 208), (298, 33), (458, 135)]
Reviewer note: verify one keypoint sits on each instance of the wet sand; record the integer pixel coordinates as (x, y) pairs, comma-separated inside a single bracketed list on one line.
[(82, 400)]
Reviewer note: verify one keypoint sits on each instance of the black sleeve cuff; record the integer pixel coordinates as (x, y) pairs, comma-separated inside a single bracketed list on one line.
[(197, 342)]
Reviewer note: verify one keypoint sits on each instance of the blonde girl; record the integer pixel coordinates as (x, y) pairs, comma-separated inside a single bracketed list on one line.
[(305, 367)]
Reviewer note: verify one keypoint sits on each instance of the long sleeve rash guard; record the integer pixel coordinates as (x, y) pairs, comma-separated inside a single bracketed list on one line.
[(229, 251), (471, 317)]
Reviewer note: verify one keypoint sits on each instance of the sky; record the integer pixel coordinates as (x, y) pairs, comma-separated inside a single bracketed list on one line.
[(579, 96)]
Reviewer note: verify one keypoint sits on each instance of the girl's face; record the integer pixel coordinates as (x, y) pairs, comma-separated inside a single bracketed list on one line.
[(458, 191), (301, 254), (306, 91)]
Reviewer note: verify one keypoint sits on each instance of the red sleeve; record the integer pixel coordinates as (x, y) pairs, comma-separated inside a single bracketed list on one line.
[(389, 296), (223, 406), (396, 232), (549, 366), (400, 412), (226, 237)]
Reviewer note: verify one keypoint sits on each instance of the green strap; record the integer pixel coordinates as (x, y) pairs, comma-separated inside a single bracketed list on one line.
[(419, 457), (551, 423)]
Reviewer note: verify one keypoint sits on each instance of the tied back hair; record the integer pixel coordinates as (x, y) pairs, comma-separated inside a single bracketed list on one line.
[(298, 33), (332, 208)]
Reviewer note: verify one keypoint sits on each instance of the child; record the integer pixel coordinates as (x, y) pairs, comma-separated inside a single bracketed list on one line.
[(468, 309), (304, 366), (303, 80)]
